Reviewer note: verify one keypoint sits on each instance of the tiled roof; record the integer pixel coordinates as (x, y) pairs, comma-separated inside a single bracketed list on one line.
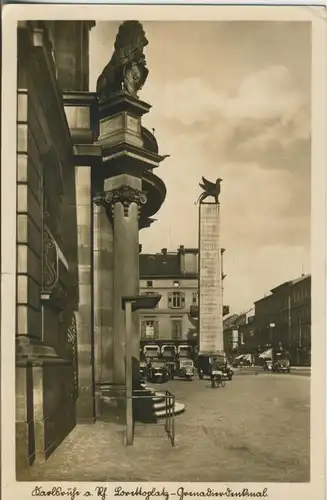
[(160, 265)]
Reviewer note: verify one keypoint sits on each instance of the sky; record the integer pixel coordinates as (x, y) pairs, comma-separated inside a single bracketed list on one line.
[(230, 99)]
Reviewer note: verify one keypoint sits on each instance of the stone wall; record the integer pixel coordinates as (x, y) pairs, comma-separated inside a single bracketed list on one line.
[(47, 282)]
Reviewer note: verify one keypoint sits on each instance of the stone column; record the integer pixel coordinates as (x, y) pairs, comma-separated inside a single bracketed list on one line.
[(85, 402), (123, 196)]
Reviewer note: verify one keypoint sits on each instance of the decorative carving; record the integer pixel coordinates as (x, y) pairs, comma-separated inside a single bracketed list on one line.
[(72, 340), (124, 195), (52, 290), (210, 189), (126, 70), (50, 261)]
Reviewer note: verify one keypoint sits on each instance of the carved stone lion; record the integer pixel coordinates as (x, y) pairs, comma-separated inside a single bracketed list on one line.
[(126, 70)]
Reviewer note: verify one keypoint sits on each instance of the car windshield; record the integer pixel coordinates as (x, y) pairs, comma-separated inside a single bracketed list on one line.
[(187, 363)]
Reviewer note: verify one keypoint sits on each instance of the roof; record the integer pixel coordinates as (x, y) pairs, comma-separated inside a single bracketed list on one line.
[(160, 265), (301, 278), (285, 285), (165, 264)]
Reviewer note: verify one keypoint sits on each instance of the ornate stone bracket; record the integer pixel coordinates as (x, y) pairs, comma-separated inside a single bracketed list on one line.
[(124, 194), (55, 273)]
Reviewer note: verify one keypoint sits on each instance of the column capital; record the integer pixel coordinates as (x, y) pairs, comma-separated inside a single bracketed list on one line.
[(123, 194)]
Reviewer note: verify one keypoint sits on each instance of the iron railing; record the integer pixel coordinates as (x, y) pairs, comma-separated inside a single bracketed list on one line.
[(169, 417)]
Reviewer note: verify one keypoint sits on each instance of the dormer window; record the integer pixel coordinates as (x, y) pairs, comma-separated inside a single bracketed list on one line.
[(176, 284), (149, 283)]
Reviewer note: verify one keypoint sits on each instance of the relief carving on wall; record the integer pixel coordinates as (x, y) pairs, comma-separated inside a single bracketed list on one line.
[(72, 340), (55, 269)]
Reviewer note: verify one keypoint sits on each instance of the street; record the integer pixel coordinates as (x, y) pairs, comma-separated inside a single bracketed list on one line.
[(255, 429)]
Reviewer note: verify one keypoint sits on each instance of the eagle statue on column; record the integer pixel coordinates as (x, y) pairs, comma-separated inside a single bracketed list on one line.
[(209, 189)]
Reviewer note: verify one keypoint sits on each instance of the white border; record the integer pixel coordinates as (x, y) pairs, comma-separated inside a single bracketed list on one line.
[(12, 13)]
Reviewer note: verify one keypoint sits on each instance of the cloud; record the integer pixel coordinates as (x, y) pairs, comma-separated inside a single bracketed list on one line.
[(267, 94)]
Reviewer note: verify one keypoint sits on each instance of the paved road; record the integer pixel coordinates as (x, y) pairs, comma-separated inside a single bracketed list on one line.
[(304, 371), (254, 429)]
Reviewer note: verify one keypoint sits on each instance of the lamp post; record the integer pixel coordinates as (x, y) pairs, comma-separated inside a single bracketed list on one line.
[(271, 328), (129, 305)]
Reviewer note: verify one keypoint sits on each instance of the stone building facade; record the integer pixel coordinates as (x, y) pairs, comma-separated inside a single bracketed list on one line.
[(174, 275), (80, 205), (283, 319)]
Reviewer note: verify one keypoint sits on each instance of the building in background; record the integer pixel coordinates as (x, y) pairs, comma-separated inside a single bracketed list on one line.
[(175, 276), (238, 330), (283, 319)]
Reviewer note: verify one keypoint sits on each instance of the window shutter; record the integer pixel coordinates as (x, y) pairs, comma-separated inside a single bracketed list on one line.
[(183, 300), (143, 329), (170, 300)]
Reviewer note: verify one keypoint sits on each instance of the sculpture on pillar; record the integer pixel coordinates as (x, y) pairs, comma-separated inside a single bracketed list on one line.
[(210, 189), (126, 70)]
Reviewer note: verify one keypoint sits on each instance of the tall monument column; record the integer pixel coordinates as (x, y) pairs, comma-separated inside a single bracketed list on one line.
[(211, 336)]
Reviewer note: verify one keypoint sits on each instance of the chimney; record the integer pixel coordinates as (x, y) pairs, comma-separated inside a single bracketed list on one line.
[(164, 251), (181, 254)]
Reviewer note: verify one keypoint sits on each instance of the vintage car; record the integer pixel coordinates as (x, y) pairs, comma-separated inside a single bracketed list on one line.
[(168, 354), (281, 365), (144, 371), (218, 360), (267, 365), (229, 371), (158, 372), (184, 368)]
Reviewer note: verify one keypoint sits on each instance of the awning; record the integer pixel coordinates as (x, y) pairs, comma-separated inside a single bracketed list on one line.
[(266, 354), (239, 356)]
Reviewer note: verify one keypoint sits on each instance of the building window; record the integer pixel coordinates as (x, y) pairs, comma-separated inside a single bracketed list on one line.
[(176, 329), (149, 329), (176, 284), (176, 300), (195, 298), (149, 283)]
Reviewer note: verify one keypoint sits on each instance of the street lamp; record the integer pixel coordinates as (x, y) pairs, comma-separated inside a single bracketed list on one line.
[(271, 327), (129, 305)]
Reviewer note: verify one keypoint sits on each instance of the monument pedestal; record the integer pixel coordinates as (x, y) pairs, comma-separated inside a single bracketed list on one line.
[(211, 335)]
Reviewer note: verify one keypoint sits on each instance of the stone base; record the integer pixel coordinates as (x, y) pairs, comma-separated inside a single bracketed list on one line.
[(45, 404), (111, 404)]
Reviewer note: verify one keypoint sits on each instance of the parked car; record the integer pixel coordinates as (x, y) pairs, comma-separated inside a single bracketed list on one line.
[(144, 371), (184, 368), (229, 371), (158, 372), (281, 365), (267, 365)]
